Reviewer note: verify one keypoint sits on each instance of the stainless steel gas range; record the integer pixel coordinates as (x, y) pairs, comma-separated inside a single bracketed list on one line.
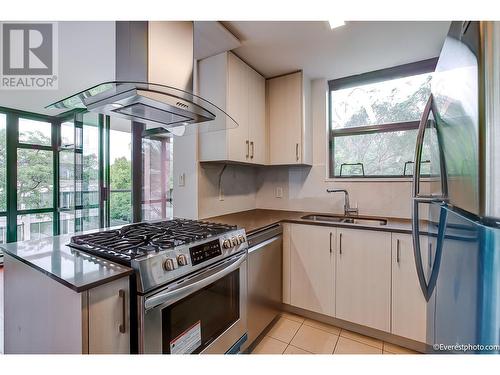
[(190, 283)]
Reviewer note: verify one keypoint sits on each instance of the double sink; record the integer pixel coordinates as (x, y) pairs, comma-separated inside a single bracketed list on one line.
[(346, 219)]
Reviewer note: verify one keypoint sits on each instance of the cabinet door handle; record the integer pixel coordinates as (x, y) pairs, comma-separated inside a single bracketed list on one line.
[(330, 242), (297, 151), (253, 149), (398, 250), (340, 243), (121, 294), (248, 148)]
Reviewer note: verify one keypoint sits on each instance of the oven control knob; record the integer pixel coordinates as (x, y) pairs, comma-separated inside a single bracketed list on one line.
[(169, 264), (226, 244), (234, 241), (241, 238), (182, 260)]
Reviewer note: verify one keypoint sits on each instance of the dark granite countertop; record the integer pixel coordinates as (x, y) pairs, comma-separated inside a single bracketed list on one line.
[(253, 220), (74, 269)]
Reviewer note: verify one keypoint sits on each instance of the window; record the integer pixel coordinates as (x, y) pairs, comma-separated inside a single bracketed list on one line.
[(35, 132), (374, 119), (3, 178), (74, 173), (120, 171)]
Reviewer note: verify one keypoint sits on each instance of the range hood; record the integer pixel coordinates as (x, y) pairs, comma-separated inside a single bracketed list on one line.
[(154, 82), (158, 106)]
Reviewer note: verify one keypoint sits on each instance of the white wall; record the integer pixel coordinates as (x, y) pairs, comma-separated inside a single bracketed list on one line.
[(86, 57), (304, 188), (239, 187)]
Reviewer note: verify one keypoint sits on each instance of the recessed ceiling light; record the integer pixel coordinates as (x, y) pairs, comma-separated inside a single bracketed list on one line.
[(116, 105), (336, 23)]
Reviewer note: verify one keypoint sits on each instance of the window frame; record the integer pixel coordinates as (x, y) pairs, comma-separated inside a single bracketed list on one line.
[(395, 72), (12, 146)]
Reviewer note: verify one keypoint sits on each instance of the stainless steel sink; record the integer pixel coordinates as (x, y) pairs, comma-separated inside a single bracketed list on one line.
[(364, 221), (333, 218), (344, 219)]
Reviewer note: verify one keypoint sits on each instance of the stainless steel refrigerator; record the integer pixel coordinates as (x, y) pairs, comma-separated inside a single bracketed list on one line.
[(456, 210)]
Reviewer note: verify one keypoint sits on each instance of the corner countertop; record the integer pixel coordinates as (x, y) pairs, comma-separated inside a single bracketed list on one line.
[(74, 269), (254, 220)]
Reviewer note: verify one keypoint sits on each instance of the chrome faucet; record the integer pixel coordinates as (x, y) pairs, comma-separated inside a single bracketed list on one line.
[(348, 210)]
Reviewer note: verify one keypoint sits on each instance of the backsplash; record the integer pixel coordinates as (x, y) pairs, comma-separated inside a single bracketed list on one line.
[(239, 189), (304, 189)]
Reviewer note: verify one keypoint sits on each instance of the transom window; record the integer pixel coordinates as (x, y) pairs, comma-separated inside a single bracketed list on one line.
[(374, 119)]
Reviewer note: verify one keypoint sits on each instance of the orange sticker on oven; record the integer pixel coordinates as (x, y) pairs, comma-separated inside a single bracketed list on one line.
[(187, 341)]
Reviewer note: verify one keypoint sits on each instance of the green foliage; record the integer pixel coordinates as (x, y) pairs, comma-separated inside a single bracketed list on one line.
[(121, 179), (382, 153), (34, 173)]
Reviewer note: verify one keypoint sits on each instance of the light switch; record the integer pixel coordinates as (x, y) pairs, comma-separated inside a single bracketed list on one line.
[(182, 179)]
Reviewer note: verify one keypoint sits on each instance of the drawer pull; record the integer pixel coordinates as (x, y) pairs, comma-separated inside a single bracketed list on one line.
[(121, 294)]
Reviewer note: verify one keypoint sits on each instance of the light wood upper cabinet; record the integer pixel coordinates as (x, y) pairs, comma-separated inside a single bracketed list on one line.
[(408, 303), (363, 278), (257, 130), (232, 85), (289, 120), (312, 268)]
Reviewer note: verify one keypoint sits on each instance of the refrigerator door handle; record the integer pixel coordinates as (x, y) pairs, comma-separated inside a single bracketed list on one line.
[(429, 107), (428, 199), (419, 146), (428, 287)]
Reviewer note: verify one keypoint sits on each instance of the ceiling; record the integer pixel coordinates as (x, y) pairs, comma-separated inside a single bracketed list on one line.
[(279, 47)]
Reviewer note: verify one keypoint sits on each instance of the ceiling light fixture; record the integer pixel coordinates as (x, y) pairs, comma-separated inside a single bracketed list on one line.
[(336, 23)]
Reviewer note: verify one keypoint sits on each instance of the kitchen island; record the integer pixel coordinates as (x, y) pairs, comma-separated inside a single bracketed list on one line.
[(58, 300)]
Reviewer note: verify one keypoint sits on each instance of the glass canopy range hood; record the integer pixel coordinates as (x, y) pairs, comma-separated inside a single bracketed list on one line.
[(152, 104)]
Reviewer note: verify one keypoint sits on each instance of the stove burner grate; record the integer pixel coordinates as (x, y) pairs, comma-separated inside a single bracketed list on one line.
[(137, 240)]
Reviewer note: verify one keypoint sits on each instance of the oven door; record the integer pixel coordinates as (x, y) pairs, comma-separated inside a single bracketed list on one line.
[(202, 313)]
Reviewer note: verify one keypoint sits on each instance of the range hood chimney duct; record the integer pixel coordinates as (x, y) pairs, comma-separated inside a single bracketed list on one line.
[(154, 81)]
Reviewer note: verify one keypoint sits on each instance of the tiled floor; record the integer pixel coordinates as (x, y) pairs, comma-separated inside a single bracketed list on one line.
[(293, 334)]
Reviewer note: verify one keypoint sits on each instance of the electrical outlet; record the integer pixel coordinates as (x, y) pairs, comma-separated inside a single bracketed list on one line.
[(278, 192), (182, 179)]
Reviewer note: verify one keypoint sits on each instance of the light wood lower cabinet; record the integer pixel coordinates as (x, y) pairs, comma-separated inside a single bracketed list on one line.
[(408, 303), (312, 268), (363, 277)]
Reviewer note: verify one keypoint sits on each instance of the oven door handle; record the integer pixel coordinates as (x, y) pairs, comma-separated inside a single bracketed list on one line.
[(190, 285)]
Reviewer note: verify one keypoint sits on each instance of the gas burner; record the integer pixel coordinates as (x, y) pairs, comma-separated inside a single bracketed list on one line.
[(138, 240)]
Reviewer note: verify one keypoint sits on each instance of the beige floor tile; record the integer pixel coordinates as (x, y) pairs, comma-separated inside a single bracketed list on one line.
[(362, 338), (314, 340), (294, 350), (325, 327), (348, 346), (268, 345), (284, 329), (295, 318), (395, 349)]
